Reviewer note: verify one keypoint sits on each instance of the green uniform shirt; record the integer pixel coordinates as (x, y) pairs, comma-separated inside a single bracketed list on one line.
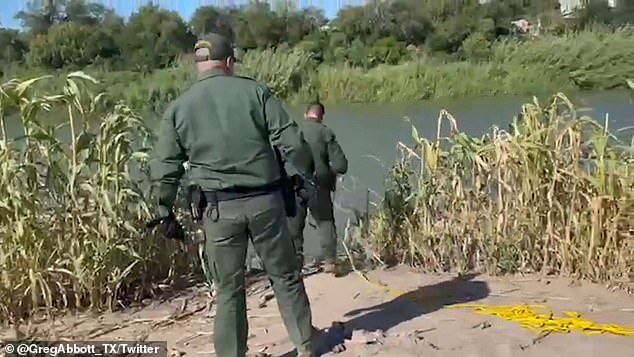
[(327, 154), (225, 126)]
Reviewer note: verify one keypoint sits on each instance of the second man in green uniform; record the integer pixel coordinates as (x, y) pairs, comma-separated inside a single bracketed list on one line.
[(330, 161)]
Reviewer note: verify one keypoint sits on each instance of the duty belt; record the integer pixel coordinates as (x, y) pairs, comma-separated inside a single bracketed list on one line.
[(234, 193)]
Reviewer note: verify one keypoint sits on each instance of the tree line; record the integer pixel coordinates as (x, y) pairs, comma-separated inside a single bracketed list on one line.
[(61, 34)]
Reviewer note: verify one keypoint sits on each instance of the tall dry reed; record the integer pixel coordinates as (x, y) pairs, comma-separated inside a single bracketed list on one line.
[(555, 195), (71, 211)]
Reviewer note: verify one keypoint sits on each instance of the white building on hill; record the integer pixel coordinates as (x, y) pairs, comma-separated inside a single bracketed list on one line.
[(567, 6)]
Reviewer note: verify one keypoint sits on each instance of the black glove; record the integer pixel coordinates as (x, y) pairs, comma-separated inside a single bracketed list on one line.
[(171, 228)]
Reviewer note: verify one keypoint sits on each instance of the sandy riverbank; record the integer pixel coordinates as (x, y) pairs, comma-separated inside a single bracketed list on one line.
[(413, 324)]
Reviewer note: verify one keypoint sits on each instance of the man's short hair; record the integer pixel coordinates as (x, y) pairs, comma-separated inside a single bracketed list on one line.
[(214, 47), (316, 107)]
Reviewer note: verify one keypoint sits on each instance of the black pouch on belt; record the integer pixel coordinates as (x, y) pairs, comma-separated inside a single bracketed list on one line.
[(197, 202), (288, 194), (287, 187)]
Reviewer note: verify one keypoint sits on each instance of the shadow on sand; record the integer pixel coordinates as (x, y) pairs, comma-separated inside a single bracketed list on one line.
[(415, 303)]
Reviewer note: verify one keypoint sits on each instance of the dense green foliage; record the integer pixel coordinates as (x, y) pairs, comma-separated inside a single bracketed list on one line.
[(396, 50), (378, 32), (586, 60)]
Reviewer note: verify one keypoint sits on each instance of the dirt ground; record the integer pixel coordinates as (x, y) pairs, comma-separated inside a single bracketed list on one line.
[(413, 324)]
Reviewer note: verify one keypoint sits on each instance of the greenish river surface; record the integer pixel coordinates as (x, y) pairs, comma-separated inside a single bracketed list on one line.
[(369, 133)]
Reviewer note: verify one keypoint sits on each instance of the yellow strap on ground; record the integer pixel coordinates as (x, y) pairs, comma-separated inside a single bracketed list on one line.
[(528, 317)]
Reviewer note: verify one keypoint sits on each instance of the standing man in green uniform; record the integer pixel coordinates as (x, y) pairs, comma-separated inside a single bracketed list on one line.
[(225, 126), (330, 161)]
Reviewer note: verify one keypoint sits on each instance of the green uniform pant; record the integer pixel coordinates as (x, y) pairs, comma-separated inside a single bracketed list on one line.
[(253, 261), (263, 220), (320, 207)]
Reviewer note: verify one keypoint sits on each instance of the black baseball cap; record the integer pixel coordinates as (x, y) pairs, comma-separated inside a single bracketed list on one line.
[(213, 47)]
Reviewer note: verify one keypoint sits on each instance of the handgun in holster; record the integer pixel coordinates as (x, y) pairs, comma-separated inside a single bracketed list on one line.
[(304, 190), (197, 202)]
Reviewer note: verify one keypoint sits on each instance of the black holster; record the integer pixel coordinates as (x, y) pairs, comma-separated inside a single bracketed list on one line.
[(304, 191), (287, 186), (288, 194), (212, 199), (197, 202)]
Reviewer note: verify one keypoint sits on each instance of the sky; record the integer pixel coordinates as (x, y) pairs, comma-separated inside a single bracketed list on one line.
[(8, 8)]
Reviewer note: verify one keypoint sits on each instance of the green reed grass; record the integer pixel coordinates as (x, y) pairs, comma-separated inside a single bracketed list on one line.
[(556, 196), (71, 213)]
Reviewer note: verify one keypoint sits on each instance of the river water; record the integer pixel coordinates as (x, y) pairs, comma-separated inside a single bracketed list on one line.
[(369, 133)]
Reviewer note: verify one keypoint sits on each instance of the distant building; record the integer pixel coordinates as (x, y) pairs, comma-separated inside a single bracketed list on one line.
[(568, 6)]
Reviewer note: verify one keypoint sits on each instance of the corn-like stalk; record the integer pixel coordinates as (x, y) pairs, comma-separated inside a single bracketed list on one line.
[(555, 195), (71, 213)]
